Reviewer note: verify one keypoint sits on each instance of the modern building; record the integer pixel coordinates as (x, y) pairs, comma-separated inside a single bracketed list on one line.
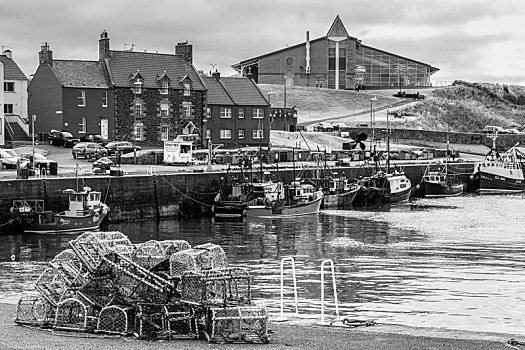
[(136, 96), (14, 106), (337, 61), (71, 95), (237, 113)]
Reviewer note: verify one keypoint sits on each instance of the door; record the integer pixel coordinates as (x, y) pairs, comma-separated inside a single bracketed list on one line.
[(104, 129)]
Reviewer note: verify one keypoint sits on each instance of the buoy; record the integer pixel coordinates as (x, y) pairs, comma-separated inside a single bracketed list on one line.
[(471, 177), (418, 187)]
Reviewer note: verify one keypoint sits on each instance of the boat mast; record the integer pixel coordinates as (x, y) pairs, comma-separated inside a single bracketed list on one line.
[(387, 144)]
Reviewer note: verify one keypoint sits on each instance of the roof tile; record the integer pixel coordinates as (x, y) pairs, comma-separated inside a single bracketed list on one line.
[(11, 69), (84, 74)]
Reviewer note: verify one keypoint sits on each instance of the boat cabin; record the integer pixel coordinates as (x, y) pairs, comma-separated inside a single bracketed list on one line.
[(80, 203)]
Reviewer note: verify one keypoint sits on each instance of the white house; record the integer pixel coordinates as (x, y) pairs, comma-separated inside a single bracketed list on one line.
[(14, 92), (2, 137)]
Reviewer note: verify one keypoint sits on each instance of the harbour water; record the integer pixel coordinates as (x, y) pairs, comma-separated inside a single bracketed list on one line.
[(454, 263)]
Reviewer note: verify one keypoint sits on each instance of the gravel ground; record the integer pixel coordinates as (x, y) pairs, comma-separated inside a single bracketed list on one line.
[(284, 335)]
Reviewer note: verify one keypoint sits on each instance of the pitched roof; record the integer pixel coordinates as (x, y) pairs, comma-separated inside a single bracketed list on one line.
[(80, 74), (217, 95), (243, 91), (11, 69), (150, 65), (337, 29)]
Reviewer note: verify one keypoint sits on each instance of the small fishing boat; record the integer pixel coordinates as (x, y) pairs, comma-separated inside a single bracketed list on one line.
[(233, 204), (85, 213), (338, 191), (435, 184), (386, 187), (281, 201)]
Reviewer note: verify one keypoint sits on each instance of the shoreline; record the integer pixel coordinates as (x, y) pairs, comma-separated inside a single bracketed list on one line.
[(292, 334)]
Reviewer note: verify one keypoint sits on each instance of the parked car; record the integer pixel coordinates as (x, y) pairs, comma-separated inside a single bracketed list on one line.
[(9, 158), (38, 160), (89, 150), (491, 129), (123, 146), (93, 138), (512, 131), (62, 138)]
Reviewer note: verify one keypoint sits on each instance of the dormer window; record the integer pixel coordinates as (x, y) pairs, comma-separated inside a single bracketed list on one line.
[(165, 87), (187, 89), (137, 87)]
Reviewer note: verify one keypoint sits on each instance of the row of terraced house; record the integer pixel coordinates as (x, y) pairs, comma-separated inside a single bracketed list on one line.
[(144, 97)]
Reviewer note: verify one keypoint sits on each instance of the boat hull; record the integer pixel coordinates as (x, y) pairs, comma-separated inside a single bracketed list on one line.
[(438, 189), (487, 183), (339, 200), (229, 209), (308, 208), (63, 223)]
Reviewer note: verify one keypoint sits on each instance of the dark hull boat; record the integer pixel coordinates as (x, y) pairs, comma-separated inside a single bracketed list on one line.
[(384, 188), (435, 184)]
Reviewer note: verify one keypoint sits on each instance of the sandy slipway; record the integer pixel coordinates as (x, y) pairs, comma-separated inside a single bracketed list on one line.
[(293, 334)]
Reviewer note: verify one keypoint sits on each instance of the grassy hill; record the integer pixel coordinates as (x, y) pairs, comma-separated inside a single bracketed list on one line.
[(462, 107)]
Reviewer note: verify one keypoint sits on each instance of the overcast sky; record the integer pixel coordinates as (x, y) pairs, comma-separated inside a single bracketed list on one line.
[(473, 40)]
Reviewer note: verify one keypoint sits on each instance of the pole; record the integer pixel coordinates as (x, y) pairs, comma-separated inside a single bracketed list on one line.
[(284, 126), (33, 117), (387, 144)]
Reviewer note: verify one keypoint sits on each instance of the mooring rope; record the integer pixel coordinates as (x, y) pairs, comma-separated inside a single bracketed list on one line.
[(76, 335), (184, 194), (8, 222)]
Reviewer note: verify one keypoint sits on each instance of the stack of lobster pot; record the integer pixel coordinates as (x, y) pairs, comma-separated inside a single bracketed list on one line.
[(154, 290)]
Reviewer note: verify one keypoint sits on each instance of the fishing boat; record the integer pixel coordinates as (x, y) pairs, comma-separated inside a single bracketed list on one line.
[(338, 191), (230, 202), (85, 213), (435, 184), (500, 173), (385, 187), (276, 200)]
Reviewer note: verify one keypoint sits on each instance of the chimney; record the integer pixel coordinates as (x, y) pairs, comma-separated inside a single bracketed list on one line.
[(45, 55), (8, 53), (186, 51), (103, 46), (216, 75)]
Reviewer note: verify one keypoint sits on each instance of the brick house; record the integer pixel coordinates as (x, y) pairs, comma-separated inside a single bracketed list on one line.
[(157, 96), (237, 113), (71, 95)]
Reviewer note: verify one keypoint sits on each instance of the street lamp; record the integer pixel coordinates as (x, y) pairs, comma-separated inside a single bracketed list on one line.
[(372, 100), (284, 124), (33, 117)]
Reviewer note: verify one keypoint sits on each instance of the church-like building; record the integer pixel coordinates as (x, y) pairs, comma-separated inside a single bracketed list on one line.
[(337, 61)]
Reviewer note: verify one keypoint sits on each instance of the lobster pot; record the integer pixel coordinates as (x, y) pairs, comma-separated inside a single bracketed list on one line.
[(221, 287), (34, 310), (51, 285), (133, 282), (180, 322), (70, 267), (116, 319), (149, 254), (149, 321), (216, 258), (247, 324), (75, 315), (206, 257), (174, 246), (90, 247), (99, 292)]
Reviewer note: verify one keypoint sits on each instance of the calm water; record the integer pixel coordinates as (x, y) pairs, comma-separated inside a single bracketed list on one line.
[(453, 263)]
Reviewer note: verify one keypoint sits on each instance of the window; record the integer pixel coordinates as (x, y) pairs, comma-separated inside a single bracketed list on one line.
[(164, 132), (164, 109), (104, 98), (226, 112), (241, 113), (9, 86), (81, 97), (187, 89), (138, 107), (257, 134), (241, 133), (226, 134), (139, 131), (8, 108), (208, 112), (258, 113), (137, 89), (186, 109), (82, 121), (165, 88), (208, 133)]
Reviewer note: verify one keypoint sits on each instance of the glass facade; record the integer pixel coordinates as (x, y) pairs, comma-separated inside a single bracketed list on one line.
[(385, 70), (332, 64)]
